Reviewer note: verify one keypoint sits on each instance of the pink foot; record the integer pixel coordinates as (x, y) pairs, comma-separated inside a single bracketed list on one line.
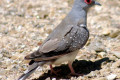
[(72, 71), (53, 71)]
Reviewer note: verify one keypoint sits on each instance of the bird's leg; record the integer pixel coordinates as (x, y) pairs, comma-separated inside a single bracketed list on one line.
[(72, 70), (53, 71)]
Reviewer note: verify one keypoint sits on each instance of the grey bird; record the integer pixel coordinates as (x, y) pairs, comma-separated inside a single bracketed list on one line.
[(64, 41)]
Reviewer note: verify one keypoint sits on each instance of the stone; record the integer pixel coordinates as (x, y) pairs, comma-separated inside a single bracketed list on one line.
[(101, 54), (111, 77), (116, 53), (115, 33)]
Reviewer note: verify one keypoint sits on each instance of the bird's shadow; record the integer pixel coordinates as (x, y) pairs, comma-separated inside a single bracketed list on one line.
[(80, 66)]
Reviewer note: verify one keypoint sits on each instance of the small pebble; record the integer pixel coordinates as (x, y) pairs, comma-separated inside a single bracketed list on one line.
[(101, 54), (1, 55), (111, 77), (115, 34), (116, 53)]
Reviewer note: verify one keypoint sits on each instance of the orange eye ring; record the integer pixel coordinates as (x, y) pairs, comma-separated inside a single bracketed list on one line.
[(88, 1)]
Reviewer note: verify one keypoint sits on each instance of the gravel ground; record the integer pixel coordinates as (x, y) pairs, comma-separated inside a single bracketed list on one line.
[(24, 24)]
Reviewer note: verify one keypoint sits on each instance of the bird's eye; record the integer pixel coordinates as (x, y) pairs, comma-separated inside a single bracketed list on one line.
[(88, 1)]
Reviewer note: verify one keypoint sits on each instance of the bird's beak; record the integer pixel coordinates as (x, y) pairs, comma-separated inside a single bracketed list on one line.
[(96, 3)]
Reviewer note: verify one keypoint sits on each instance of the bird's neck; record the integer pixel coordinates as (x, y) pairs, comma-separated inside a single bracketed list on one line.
[(78, 14), (78, 7)]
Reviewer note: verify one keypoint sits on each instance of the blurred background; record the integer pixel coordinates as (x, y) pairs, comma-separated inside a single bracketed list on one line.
[(24, 24)]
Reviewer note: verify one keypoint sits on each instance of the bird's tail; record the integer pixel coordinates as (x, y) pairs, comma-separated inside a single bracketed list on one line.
[(30, 70)]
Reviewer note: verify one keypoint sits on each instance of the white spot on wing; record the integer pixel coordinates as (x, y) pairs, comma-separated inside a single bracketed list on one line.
[(82, 25)]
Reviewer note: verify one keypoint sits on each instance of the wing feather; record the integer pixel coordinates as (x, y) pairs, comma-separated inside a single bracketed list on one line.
[(56, 47)]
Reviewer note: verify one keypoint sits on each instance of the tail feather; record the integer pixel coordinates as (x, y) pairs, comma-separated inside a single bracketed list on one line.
[(30, 70), (32, 55)]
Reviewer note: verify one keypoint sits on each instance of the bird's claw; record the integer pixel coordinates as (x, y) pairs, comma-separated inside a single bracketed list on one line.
[(55, 72)]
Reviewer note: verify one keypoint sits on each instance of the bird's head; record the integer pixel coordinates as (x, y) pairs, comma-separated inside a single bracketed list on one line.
[(86, 4)]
